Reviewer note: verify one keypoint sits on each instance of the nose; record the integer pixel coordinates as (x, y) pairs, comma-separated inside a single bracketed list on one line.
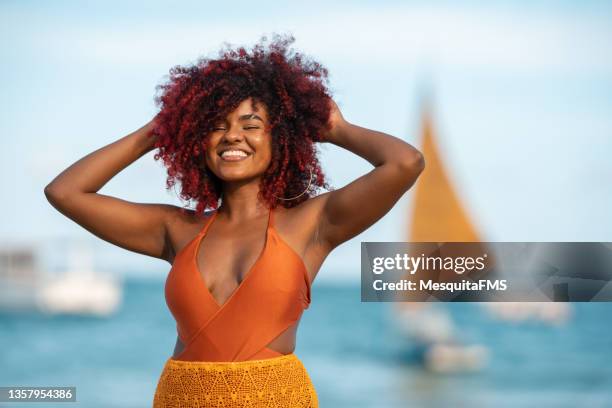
[(233, 135)]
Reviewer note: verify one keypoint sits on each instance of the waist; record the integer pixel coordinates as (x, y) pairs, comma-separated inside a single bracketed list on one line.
[(285, 359)]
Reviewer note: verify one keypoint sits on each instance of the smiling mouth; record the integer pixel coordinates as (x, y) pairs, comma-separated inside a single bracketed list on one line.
[(234, 155)]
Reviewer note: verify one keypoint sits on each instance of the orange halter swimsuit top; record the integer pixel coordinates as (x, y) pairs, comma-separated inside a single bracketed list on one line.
[(270, 298)]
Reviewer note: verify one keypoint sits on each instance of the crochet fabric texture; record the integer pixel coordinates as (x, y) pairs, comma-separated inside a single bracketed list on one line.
[(274, 382)]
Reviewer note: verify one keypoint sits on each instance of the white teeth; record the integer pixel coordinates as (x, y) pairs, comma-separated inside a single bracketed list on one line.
[(233, 153)]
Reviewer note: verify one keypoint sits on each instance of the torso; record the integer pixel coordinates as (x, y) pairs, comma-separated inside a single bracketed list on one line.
[(247, 244)]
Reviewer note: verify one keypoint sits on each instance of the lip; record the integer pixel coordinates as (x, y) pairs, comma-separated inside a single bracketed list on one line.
[(234, 158)]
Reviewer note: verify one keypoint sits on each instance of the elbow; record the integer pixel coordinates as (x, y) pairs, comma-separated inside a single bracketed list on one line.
[(414, 163), (52, 193), (419, 162)]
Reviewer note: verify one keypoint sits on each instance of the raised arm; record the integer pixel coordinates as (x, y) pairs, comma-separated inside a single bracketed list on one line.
[(137, 227), (350, 210)]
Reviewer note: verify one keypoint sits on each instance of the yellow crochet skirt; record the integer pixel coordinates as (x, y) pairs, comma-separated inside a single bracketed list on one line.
[(273, 382)]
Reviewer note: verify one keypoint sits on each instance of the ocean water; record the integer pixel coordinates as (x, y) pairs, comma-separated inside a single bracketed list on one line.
[(354, 353)]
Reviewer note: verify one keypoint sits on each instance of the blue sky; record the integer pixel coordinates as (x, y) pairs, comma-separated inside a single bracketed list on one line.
[(522, 97)]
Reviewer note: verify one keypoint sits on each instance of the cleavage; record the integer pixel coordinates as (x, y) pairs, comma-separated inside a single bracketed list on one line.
[(225, 261)]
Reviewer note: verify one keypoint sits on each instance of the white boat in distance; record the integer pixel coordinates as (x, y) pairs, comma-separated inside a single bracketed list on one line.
[(78, 290)]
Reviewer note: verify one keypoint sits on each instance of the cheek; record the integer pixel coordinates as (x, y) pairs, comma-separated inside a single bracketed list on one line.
[(210, 158), (265, 152), (211, 148), (211, 141), (208, 161), (263, 145)]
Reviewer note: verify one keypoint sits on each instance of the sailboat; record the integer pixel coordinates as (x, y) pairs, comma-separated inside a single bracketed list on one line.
[(438, 215), (81, 289), (25, 286)]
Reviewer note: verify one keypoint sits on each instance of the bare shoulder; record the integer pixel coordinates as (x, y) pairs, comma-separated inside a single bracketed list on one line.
[(303, 218), (182, 225), (299, 227)]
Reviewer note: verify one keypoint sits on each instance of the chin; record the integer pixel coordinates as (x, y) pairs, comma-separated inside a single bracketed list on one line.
[(236, 175)]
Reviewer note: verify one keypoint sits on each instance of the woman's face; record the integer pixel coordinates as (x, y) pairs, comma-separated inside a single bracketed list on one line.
[(240, 148)]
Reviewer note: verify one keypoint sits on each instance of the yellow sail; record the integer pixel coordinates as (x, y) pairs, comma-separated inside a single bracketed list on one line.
[(437, 214)]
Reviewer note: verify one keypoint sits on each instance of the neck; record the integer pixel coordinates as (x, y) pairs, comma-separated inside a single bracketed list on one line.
[(240, 202)]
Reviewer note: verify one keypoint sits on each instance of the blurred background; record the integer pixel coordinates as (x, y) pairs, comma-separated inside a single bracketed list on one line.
[(514, 100)]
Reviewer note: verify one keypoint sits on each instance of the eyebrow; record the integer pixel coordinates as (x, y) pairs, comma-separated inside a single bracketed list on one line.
[(250, 116)]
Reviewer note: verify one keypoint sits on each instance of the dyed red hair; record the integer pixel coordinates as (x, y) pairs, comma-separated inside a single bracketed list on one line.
[(290, 86)]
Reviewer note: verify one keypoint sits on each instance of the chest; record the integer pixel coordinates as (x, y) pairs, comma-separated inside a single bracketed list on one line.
[(224, 262)]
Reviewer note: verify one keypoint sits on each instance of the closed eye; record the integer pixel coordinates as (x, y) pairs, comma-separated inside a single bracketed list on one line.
[(248, 128)]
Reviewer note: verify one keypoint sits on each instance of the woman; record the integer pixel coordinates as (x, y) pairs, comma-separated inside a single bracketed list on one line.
[(240, 130)]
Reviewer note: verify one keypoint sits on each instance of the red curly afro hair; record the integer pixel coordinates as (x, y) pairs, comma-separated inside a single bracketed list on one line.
[(290, 86)]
